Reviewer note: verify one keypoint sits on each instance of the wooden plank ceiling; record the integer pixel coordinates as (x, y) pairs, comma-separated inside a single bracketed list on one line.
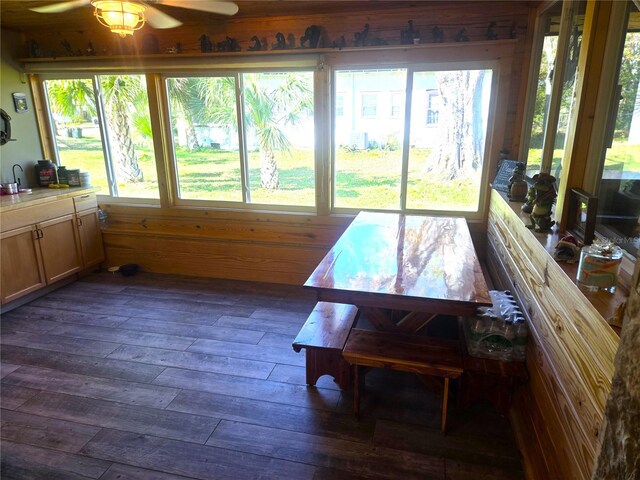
[(16, 14)]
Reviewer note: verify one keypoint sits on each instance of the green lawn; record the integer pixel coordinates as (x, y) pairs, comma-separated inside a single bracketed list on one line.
[(364, 178)]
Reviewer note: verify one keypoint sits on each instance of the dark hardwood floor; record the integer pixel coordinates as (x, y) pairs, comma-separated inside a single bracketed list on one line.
[(165, 377)]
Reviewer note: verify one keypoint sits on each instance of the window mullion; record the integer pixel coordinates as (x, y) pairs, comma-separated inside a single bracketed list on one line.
[(551, 127), (406, 141), (106, 146), (242, 140)]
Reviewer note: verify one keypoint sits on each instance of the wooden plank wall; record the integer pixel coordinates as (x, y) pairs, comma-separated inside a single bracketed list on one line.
[(557, 417), (266, 247)]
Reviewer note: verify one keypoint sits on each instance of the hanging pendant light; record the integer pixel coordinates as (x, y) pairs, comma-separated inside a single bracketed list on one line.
[(120, 17)]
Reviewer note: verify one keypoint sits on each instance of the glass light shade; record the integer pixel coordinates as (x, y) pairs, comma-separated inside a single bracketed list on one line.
[(122, 18)]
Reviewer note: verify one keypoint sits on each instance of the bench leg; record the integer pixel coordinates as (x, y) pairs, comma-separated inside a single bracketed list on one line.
[(445, 400), (322, 361), (357, 385)]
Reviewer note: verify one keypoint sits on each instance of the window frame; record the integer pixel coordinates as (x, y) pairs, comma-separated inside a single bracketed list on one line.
[(47, 125), (169, 147), (492, 119), (499, 52)]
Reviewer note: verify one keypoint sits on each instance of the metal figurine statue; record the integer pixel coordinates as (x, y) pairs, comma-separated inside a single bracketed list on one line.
[(360, 38), (257, 45), (281, 43), (437, 35), (311, 37), (409, 34), (206, 46), (491, 34), (462, 36)]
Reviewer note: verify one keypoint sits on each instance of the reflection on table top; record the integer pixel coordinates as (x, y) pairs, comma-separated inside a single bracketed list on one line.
[(404, 256)]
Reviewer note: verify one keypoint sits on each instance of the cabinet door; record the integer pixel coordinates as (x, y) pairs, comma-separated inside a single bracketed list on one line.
[(60, 247), (21, 263), (90, 237)]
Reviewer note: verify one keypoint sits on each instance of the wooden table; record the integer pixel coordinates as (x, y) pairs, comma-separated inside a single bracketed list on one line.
[(402, 270)]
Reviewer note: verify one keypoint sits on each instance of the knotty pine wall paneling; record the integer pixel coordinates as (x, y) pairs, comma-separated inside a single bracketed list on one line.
[(267, 247), (557, 416)]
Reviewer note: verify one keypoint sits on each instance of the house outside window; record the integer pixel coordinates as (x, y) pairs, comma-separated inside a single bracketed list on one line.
[(397, 104), (433, 107), (387, 164), (369, 107)]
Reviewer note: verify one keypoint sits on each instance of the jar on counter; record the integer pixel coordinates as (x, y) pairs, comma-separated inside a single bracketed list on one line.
[(46, 173), (599, 266), (73, 178)]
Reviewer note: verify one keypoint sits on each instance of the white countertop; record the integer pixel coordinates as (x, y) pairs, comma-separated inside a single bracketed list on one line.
[(39, 196)]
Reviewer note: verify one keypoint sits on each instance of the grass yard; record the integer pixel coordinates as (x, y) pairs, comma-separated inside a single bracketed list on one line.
[(364, 179)]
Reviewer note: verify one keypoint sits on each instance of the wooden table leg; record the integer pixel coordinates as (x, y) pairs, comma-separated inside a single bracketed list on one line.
[(445, 399)]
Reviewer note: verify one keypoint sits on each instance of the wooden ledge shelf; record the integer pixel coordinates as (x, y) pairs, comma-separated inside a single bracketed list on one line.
[(605, 303)]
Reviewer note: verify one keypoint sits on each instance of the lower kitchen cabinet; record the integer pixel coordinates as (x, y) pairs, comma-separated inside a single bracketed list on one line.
[(45, 243), (21, 268)]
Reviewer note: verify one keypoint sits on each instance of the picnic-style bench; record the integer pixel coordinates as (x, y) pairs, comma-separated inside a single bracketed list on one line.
[(324, 335), (408, 353)]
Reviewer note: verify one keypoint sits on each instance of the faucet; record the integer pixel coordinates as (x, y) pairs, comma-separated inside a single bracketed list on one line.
[(14, 174)]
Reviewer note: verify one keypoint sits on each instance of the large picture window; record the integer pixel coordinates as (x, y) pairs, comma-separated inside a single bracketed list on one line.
[(244, 138), (111, 139), (387, 164), (397, 138)]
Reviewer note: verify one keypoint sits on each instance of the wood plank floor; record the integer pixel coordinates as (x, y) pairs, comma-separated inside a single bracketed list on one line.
[(166, 377)]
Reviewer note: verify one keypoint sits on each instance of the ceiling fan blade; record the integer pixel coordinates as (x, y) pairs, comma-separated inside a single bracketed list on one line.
[(158, 19), (212, 6), (61, 6)]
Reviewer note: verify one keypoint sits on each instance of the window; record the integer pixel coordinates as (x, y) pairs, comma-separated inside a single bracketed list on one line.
[(548, 48), (433, 107), (556, 76), (387, 165), (369, 105), (368, 153), (268, 160), (446, 159), (78, 139), (397, 104), (110, 139), (619, 190), (205, 138), (339, 105)]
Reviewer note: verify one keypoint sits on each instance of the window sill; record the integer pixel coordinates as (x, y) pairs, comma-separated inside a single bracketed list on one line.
[(605, 303)]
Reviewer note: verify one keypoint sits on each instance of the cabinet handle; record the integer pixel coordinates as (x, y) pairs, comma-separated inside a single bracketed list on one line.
[(85, 196), (39, 233), (78, 221)]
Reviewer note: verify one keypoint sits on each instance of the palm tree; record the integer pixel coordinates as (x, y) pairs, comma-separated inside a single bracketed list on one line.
[(123, 94), (69, 97), (271, 101), (186, 103)]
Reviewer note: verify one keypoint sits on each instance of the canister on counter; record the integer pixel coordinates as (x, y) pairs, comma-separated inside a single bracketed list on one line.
[(62, 175), (73, 178), (46, 173), (85, 179)]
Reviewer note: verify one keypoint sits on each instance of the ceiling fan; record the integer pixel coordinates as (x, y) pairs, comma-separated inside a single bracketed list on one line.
[(125, 16)]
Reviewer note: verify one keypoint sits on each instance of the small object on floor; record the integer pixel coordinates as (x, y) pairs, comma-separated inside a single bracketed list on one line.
[(127, 270)]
